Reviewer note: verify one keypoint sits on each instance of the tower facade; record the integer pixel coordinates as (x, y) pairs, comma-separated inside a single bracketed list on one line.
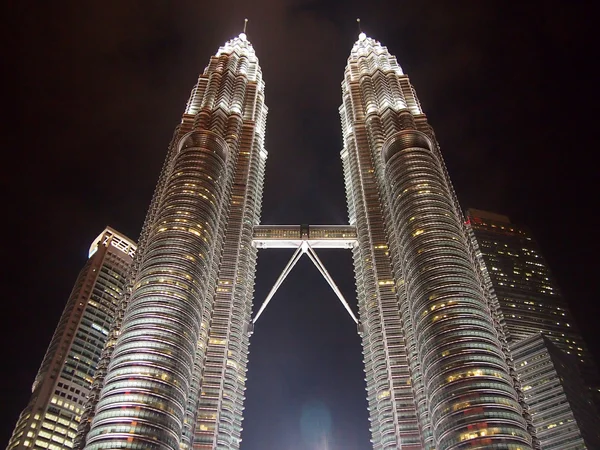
[(438, 369), (174, 370), (437, 366), (64, 379)]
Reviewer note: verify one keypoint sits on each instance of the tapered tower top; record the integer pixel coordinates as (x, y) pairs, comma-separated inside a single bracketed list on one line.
[(376, 54), (239, 44), (235, 58), (371, 62)]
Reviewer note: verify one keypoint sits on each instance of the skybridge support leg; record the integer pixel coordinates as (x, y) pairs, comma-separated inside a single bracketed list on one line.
[(288, 268), (317, 262), (302, 249)]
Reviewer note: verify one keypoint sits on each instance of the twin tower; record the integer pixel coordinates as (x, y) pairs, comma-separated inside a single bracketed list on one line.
[(438, 370)]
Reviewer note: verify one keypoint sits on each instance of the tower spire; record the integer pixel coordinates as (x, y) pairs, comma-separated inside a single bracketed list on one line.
[(361, 36), (245, 23)]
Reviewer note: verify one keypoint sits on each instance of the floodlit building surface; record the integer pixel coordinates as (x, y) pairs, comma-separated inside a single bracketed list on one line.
[(438, 371), (436, 361), (561, 409), (63, 382), (528, 295), (174, 375)]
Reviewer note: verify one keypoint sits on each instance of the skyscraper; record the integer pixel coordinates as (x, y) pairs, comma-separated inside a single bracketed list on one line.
[(436, 363), (560, 407), (174, 374), (438, 373), (551, 358), (527, 292), (51, 417)]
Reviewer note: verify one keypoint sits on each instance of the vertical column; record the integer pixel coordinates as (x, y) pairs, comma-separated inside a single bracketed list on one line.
[(143, 402), (472, 401)]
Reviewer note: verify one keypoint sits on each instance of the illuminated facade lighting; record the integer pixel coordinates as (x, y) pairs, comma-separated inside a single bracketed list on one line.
[(437, 366), (438, 370), (173, 374), (64, 380)]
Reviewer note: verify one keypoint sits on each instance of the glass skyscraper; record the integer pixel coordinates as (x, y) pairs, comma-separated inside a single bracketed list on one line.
[(174, 375), (438, 368), (63, 382), (552, 361), (437, 365)]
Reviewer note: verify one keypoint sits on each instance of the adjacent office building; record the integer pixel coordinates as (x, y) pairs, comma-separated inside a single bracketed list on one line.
[(561, 411), (554, 366), (528, 294), (59, 392)]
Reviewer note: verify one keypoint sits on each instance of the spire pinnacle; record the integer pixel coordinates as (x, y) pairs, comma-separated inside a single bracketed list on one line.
[(243, 36), (361, 36)]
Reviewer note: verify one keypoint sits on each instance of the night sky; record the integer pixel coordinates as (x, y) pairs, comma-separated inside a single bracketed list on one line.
[(95, 89)]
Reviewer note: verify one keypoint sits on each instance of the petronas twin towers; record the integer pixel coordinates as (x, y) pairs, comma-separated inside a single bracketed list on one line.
[(437, 365)]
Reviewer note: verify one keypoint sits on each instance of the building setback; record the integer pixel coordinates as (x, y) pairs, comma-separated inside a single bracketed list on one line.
[(51, 418)]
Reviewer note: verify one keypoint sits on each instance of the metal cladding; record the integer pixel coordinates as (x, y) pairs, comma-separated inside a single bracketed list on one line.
[(174, 374), (150, 371), (437, 373), (219, 414), (404, 140)]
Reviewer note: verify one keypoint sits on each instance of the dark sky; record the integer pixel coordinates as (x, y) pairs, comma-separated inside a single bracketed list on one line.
[(95, 89)]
